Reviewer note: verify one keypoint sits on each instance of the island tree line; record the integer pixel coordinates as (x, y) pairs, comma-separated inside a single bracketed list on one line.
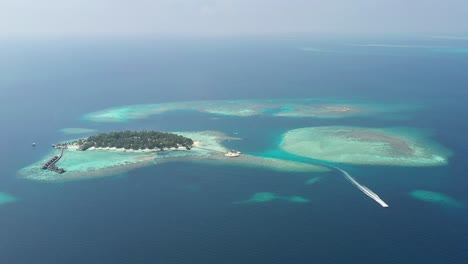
[(134, 140)]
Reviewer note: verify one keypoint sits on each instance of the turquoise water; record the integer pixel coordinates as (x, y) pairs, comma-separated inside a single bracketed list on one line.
[(183, 212), (309, 107), (437, 198), (6, 198), (366, 146), (264, 197)]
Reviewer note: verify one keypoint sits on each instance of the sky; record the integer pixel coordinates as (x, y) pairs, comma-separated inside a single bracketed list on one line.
[(230, 17)]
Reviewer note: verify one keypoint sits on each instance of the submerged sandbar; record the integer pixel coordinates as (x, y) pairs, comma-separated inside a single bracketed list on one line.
[(436, 198), (264, 197), (207, 148), (367, 146), (6, 198), (312, 107)]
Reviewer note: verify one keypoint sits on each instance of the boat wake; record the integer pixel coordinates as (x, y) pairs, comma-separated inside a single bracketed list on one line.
[(363, 188)]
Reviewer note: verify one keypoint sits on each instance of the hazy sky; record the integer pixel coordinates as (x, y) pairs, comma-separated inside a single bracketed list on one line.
[(230, 17)]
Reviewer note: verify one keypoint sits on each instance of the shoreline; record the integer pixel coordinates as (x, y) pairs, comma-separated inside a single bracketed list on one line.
[(207, 149), (76, 147)]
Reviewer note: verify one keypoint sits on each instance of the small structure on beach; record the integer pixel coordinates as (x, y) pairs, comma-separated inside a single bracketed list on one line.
[(232, 153)]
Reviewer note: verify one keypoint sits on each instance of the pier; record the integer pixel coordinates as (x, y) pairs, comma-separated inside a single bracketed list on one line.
[(215, 150), (50, 164), (230, 153)]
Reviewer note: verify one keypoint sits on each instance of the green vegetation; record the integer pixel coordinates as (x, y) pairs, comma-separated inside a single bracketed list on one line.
[(134, 140)]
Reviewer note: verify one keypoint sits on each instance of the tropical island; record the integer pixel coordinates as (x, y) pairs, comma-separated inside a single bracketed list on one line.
[(130, 140), (103, 158)]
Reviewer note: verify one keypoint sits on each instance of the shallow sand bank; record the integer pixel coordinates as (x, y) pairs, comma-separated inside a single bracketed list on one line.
[(312, 107), (367, 146), (437, 198), (264, 197), (6, 198)]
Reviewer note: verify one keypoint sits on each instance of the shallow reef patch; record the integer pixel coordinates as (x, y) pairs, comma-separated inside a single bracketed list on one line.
[(436, 198), (308, 107), (312, 180), (6, 198), (366, 146), (263, 197)]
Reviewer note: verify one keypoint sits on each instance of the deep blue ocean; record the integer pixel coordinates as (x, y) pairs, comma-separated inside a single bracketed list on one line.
[(183, 212)]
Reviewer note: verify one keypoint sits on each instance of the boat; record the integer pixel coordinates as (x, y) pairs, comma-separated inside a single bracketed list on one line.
[(232, 153)]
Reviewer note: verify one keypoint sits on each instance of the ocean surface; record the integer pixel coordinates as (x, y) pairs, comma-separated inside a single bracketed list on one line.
[(186, 212)]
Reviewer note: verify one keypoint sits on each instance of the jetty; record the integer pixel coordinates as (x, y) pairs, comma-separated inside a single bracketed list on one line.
[(50, 164), (230, 153)]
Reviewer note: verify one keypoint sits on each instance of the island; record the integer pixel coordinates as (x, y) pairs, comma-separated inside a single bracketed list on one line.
[(114, 153), (130, 140)]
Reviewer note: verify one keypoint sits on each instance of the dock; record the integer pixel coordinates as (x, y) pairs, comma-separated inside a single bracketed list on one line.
[(50, 164), (230, 153)]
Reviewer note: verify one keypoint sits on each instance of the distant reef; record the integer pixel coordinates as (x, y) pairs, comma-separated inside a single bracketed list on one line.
[(436, 198), (366, 146), (291, 108), (6, 198), (263, 197)]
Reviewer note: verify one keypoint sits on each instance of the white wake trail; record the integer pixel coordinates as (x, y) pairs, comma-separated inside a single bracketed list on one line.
[(363, 188)]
